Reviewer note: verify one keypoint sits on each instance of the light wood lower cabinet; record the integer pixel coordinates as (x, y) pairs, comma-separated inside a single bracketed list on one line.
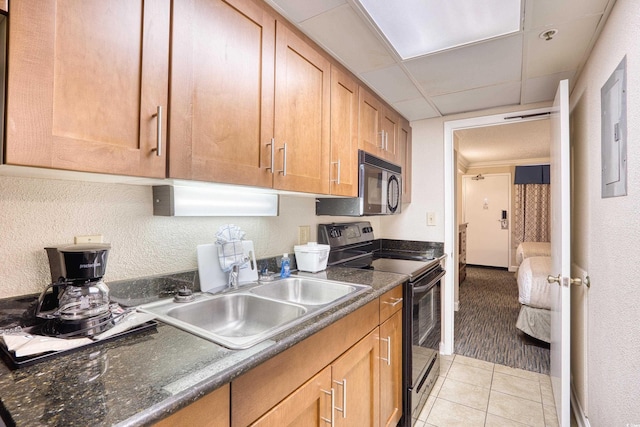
[(310, 405), (356, 383), (213, 410), (391, 304), (391, 370)]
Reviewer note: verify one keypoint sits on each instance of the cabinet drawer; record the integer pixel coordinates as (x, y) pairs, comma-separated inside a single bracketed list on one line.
[(390, 302)]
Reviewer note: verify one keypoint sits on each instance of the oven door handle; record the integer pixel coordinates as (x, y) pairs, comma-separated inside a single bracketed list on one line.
[(428, 285)]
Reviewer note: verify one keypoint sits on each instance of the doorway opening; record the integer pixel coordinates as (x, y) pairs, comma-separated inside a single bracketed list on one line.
[(452, 201)]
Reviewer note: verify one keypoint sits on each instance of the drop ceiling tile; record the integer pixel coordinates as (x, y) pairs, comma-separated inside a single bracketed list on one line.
[(478, 99), (343, 34), (543, 88), (299, 10), (542, 13), (563, 53), (416, 109), (391, 83), (479, 65)]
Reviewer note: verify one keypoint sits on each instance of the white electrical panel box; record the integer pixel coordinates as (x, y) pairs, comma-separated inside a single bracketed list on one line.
[(613, 98)]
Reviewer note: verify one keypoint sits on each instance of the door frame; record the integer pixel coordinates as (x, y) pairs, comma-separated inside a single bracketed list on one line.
[(450, 218), (510, 210)]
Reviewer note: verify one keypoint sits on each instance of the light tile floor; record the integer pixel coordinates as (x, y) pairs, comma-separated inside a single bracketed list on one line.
[(471, 392)]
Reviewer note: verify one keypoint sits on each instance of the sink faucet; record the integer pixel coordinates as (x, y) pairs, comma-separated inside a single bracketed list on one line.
[(233, 276), (235, 272)]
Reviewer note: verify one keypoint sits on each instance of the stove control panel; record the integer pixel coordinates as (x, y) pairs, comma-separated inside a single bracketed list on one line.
[(342, 234)]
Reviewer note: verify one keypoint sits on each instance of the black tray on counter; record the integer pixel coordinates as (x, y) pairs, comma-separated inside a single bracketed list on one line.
[(14, 362)]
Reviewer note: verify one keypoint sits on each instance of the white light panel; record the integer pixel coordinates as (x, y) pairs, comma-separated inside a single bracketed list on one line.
[(420, 27)]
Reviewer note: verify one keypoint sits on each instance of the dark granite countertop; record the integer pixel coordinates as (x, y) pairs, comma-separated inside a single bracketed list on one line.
[(142, 378)]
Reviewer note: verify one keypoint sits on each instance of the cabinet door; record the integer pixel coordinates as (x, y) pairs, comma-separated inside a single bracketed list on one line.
[(85, 82), (391, 370), (310, 405), (404, 154), (390, 125), (370, 135), (213, 410), (222, 92), (356, 383), (302, 116), (344, 134)]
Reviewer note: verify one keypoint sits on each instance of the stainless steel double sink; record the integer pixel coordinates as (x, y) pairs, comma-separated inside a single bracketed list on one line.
[(242, 318)]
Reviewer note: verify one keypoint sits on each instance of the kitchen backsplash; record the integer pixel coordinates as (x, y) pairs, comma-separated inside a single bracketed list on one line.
[(35, 213)]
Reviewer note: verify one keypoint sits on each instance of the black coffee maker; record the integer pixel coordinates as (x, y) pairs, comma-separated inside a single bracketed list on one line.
[(78, 304)]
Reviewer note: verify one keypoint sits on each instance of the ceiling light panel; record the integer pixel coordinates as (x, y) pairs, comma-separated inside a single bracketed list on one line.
[(420, 27)]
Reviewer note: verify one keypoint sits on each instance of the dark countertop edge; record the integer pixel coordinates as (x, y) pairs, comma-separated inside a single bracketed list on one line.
[(284, 341)]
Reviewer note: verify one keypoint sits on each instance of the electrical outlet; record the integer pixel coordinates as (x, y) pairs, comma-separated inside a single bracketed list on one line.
[(431, 218), (304, 234), (92, 238)]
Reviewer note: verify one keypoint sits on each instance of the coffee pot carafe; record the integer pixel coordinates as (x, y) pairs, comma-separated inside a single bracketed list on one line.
[(82, 306)]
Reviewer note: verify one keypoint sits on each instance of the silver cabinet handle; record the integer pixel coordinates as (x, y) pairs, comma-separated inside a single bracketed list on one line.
[(343, 383), (388, 358), (382, 140), (386, 141), (284, 160), (273, 153), (333, 404), (395, 302), (337, 181), (158, 116)]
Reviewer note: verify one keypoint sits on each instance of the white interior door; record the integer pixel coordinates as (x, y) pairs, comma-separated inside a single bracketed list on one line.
[(484, 198), (561, 253)]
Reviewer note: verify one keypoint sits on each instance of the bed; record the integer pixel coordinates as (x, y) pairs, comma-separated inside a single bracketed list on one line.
[(534, 293), (531, 249)]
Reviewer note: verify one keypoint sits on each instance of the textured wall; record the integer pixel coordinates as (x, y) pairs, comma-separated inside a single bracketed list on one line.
[(607, 231), (35, 213)]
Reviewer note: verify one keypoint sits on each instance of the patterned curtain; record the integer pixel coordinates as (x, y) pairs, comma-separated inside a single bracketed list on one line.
[(532, 213)]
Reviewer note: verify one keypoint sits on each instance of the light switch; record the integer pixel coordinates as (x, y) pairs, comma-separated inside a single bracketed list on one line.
[(431, 218)]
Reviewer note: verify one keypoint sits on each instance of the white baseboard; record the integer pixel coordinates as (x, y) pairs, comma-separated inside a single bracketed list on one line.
[(578, 413), (456, 306), (513, 268)]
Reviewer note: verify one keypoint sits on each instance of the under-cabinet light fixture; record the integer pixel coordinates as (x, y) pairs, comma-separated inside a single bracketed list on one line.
[(175, 200)]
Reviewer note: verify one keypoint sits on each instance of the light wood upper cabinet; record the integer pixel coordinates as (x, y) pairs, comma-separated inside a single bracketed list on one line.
[(390, 127), (302, 115), (310, 405), (83, 96), (404, 155), (344, 134), (222, 92), (370, 135), (378, 127)]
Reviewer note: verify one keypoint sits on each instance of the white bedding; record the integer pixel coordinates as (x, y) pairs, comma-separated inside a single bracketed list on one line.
[(530, 249), (533, 288)]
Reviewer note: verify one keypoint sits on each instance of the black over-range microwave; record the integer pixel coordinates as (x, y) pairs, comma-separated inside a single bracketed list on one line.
[(379, 190)]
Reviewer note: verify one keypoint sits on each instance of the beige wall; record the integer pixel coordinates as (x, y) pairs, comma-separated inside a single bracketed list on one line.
[(35, 213), (606, 232)]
